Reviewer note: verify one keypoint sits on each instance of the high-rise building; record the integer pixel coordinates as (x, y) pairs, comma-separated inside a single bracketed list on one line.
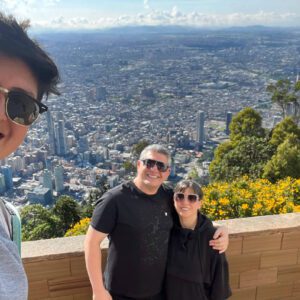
[(2, 184), (7, 172), (59, 178), (200, 133), (51, 133), (61, 145), (47, 180), (101, 93), (228, 121)]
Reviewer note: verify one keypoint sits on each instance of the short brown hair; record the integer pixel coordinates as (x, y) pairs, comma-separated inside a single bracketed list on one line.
[(15, 43)]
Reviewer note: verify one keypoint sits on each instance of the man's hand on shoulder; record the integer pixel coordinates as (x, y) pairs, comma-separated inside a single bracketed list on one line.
[(220, 240)]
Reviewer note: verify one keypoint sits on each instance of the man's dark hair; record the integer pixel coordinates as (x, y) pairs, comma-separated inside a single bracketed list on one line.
[(15, 43)]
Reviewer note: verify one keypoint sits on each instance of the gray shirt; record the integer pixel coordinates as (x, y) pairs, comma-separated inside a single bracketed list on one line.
[(13, 281)]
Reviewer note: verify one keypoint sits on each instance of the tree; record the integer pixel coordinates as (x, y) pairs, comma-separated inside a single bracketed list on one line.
[(282, 130), (247, 157), (139, 147), (216, 169), (284, 92), (286, 161), (246, 123), (68, 213), (38, 223), (129, 166)]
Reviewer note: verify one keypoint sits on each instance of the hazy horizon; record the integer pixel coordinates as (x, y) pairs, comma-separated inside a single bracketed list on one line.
[(96, 15)]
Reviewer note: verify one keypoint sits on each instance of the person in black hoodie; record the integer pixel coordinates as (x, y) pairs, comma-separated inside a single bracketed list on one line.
[(195, 271)]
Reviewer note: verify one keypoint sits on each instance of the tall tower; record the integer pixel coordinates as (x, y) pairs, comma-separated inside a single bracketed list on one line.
[(51, 133), (47, 180), (7, 172), (2, 184), (59, 178), (61, 145), (200, 134), (101, 93), (228, 121)]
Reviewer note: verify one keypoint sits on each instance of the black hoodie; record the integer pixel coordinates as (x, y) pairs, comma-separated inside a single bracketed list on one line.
[(195, 271)]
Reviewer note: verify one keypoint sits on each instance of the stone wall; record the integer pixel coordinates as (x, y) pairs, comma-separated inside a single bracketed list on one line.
[(264, 261)]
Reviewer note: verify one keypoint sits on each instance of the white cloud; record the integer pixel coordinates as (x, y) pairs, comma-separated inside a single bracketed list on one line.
[(151, 16), (146, 4)]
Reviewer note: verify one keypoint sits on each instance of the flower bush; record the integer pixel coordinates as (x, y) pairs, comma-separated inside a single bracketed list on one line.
[(79, 228), (247, 198)]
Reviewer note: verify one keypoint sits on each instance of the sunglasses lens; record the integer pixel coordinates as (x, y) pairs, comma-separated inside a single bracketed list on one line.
[(192, 198), (150, 163), (161, 166), (21, 108), (179, 196)]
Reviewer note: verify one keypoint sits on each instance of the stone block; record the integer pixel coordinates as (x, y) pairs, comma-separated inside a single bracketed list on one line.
[(38, 290), (47, 269), (258, 277), (289, 274), (291, 240), (262, 242), (235, 246), (244, 262), (279, 258), (243, 294), (274, 291)]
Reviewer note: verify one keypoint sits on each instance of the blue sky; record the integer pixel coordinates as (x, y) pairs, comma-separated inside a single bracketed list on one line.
[(78, 14)]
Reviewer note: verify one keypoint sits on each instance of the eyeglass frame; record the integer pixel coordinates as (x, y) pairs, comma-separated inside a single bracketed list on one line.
[(186, 197), (164, 168)]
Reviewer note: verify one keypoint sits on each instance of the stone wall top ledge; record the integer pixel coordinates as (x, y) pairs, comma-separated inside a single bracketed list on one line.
[(73, 246), (54, 248), (262, 224)]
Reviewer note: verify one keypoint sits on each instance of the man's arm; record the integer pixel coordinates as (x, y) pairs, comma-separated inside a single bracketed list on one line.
[(220, 240), (93, 263)]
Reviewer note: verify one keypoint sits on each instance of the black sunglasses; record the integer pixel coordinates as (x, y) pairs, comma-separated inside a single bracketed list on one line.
[(191, 197), (21, 108), (150, 163)]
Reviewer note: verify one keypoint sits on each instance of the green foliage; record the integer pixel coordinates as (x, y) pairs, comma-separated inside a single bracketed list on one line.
[(67, 211), (282, 130), (139, 147), (284, 92), (38, 223), (246, 123), (286, 161), (129, 166), (248, 157)]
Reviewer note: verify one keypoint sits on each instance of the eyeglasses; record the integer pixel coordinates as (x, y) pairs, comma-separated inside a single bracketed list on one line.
[(150, 163), (191, 197), (21, 108)]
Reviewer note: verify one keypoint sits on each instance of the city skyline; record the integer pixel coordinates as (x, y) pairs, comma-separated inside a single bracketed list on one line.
[(79, 15)]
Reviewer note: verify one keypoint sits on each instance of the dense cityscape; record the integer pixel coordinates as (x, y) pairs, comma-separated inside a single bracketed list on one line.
[(176, 86)]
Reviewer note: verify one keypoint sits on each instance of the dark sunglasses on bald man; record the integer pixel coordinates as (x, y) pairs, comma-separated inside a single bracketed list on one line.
[(21, 108), (150, 163), (179, 197)]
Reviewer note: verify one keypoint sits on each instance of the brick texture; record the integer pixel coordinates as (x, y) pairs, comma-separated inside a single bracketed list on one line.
[(262, 266)]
